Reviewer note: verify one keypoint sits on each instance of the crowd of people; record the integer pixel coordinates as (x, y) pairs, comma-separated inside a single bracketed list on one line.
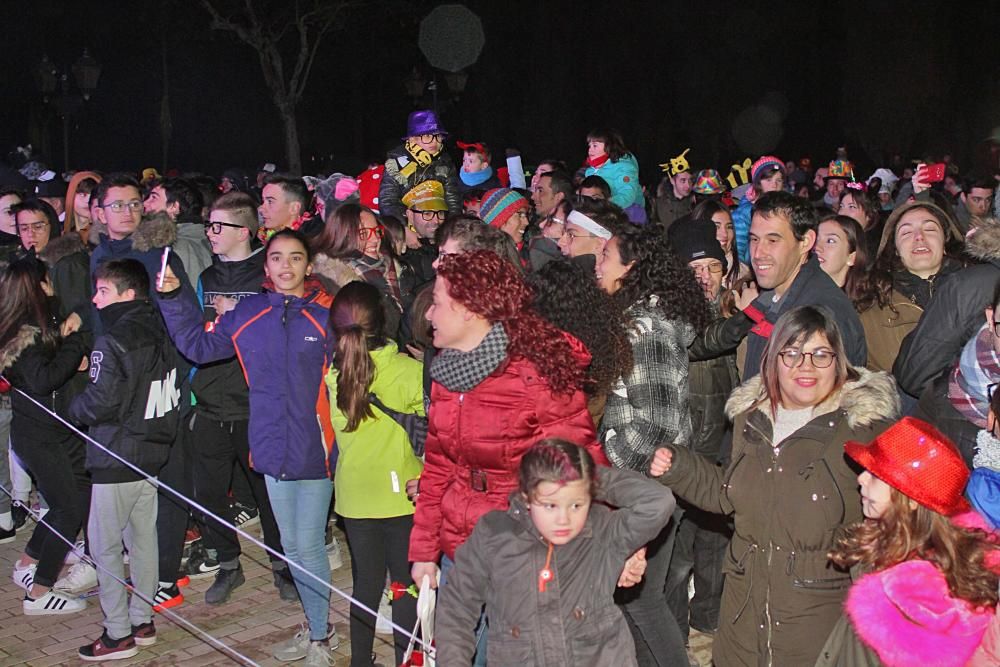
[(593, 415)]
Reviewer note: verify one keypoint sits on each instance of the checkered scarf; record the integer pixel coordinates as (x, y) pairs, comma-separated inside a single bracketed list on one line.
[(977, 368), (463, 371)]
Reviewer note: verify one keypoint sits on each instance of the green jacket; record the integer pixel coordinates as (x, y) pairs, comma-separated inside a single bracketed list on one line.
[(789, 501), (375, 460)]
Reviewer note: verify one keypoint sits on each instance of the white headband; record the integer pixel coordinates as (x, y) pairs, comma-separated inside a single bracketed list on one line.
[(580, 220)]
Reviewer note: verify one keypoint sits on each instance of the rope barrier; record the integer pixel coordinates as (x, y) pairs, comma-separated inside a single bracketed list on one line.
[(180, 620), (205, 511)]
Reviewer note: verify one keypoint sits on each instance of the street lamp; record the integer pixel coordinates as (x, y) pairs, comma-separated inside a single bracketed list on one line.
[(86, 73), (415, 84)]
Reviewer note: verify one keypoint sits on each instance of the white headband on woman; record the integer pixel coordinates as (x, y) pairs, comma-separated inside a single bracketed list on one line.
[(581, 220)]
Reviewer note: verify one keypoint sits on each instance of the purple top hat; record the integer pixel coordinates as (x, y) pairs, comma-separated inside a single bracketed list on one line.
[(423, 122)]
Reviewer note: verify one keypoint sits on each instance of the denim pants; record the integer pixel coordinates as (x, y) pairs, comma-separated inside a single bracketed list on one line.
[(300, 508), (658, 640), (479, 660)]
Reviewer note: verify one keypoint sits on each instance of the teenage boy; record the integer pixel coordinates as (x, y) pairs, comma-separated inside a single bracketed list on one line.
[(222, 409), (132, 407)]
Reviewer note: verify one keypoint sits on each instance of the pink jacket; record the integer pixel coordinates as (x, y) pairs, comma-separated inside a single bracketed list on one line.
[(907, 615)]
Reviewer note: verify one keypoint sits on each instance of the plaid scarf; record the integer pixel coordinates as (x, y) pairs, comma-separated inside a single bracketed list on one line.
[(977, 368), (463, 371)]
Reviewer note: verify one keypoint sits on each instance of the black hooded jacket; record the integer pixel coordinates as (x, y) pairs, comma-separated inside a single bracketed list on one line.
[(220, 388)]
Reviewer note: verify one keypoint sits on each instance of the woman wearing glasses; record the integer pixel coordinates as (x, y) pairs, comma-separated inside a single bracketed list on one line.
[(350, 248), (789, 489)]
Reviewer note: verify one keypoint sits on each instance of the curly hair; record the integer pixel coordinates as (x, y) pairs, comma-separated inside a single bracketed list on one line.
[(902, 534), (490, 287), (568, 296), (877, 286), (657, 271)]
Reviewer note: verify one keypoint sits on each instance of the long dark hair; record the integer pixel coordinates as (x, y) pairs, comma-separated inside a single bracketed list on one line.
[(857, 243), (879, 281), (657, 271), (357, 321), (24, 301), (340, 233), (567, 295)]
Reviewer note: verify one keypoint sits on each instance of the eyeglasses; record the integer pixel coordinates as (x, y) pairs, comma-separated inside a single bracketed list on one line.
[(36, 227), (366, 233), (819, 358), (714, 268), (215, 226), (576, 235), (428, 138), (427, 216), (119, 206)]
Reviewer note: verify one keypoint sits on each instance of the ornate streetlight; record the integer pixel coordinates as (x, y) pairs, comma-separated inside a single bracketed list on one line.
[(86, 74)]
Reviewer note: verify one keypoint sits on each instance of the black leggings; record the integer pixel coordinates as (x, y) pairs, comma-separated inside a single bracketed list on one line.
[(57, 465), (376, 544)]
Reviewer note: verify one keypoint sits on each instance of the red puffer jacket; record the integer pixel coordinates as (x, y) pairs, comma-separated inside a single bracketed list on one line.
[(474, 446)]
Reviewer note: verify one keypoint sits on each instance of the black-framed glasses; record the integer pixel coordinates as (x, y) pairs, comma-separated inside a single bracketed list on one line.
[(366, 233), (427, 216), (428, 138), (215, 226), (119, 206), (819, 358)]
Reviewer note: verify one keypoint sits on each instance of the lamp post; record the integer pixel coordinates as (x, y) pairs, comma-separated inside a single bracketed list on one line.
[(86, 74)]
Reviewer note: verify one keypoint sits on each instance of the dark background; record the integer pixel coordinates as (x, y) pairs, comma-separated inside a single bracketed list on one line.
[(726, 79)]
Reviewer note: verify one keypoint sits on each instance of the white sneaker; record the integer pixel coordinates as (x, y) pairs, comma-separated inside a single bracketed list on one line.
[(52, 602), (80, 578), (333, 554), (297, 647), (320, 655), (24, 576), (382, 624), (74, 555)]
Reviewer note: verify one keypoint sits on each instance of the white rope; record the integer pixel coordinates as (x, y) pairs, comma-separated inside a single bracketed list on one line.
[(37, 516), (160, 485)]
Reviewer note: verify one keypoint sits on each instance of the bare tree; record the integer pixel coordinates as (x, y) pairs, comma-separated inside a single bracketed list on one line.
[(277, 30)]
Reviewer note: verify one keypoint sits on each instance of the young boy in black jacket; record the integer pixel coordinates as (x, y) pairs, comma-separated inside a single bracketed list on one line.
[(132, 407)]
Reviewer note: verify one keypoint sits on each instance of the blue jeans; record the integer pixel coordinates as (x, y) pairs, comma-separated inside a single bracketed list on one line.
[(300, 508), (479, 660)]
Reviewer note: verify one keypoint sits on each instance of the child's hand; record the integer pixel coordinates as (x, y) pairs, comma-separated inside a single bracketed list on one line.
[(170, 281), (223, 304), (421, 570), (634, 568), (663, 458), (413, 489)]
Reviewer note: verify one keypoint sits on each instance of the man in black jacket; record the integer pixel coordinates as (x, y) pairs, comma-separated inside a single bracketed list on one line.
[(222, 411), (782, 234), (132, 406)]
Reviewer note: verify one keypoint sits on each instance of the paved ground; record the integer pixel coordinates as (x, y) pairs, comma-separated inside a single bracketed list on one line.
[(253, 620)]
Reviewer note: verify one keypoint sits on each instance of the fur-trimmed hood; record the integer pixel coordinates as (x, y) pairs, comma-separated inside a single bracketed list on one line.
[(334, 270), (25, 338), (906, 614), (984, 242), (60, 248), (154, 231), (870, 398)]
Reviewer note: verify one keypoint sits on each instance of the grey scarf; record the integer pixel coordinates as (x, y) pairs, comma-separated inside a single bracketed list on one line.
[(463, 371)]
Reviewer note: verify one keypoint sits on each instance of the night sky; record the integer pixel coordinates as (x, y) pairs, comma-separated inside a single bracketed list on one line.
[(728, 80)]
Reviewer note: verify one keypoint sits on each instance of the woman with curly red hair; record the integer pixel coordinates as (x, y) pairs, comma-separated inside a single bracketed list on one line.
[(504, 379)]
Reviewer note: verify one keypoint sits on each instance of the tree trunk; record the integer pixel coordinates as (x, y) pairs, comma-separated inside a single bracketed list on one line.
[(293, 152)]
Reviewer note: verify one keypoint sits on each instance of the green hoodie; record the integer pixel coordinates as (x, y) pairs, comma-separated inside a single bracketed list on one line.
[(375, 461)]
